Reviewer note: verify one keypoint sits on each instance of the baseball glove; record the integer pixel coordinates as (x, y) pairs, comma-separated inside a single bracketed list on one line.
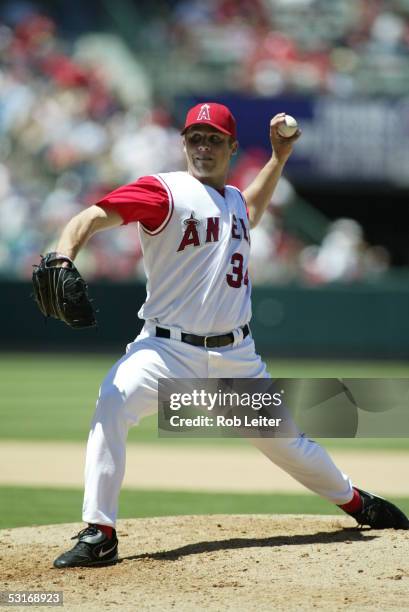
[(61, 292)]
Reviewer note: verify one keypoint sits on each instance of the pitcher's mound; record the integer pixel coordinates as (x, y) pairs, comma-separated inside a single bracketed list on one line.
[(219, 562)]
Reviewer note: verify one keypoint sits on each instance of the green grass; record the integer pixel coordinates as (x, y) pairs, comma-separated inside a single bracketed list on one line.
[(24, 506), (52, 397)]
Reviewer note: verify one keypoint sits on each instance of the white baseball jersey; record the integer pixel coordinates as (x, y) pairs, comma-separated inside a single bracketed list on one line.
[(196, 261)]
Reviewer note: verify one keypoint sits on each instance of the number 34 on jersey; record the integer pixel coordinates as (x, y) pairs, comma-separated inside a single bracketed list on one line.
[(239, 231)]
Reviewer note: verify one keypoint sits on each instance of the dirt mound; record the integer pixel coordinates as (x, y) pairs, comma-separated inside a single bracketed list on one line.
[(219, 562)]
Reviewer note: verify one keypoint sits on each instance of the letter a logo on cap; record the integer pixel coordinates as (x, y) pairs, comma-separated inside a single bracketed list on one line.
[(221, 117), (204, 113)]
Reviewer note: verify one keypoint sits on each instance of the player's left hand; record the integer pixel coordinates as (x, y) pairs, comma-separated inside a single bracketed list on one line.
[(61, 292), (282, 147)]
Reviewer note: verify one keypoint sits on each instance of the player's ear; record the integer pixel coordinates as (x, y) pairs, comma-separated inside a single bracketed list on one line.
[(234, 147)]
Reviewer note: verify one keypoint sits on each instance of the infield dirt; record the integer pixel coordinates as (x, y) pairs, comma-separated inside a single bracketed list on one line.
[(217, 563), (192, 468)]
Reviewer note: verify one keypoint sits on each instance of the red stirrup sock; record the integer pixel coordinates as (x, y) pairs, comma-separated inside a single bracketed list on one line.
[(105, 529), (355, 505)]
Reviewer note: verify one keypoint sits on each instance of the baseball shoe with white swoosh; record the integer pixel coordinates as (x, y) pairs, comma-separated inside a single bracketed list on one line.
[(93, 548)]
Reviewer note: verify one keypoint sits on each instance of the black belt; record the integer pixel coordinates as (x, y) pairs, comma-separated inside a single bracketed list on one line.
[(206, 341)]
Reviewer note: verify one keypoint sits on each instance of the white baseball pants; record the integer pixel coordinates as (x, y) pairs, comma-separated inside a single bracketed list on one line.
[(129, 392)]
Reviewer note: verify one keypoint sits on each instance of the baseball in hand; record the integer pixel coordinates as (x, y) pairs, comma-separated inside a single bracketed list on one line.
[(288, 128)]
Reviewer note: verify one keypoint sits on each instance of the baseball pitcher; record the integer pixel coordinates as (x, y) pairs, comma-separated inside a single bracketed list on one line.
[(195, 235)]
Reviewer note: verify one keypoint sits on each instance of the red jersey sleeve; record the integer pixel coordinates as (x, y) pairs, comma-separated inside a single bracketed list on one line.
[(146, 201)]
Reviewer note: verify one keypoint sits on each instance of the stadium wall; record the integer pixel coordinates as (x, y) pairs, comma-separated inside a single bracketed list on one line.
[(337, 321)]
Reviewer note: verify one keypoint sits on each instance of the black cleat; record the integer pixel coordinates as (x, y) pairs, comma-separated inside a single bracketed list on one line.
[(379, 513), (93, 548)]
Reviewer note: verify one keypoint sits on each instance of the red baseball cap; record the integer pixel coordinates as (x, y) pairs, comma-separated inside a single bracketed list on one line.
[(211, 113)]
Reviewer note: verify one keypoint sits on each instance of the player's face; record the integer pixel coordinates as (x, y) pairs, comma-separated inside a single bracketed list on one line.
[(208, 153)]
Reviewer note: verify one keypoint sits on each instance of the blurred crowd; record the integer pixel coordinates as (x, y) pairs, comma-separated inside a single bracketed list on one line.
[(78, 119), (267, 47), (69, 135), (281, 251)]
